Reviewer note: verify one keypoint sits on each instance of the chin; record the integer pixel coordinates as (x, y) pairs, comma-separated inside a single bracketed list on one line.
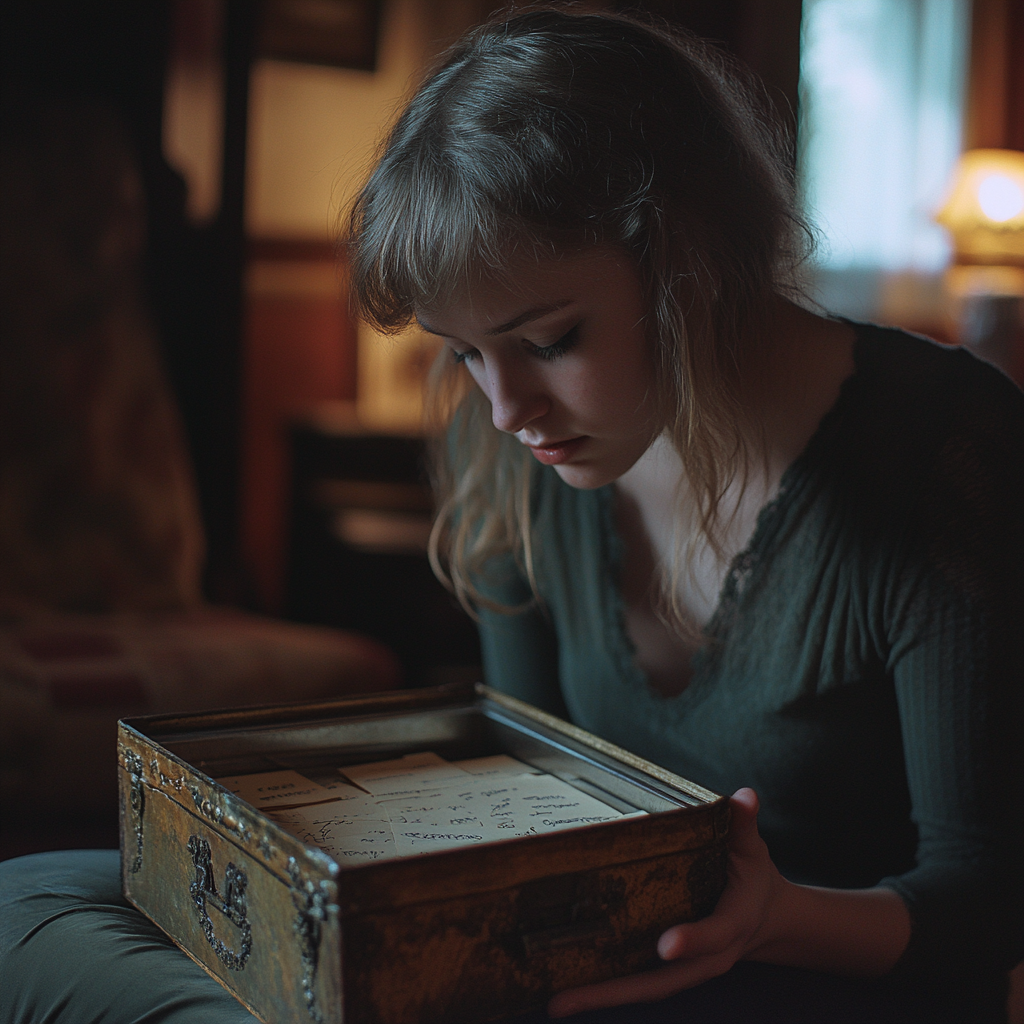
[(586, 478)]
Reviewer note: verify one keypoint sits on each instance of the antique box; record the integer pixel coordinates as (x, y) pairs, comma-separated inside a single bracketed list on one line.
[(468, 934)]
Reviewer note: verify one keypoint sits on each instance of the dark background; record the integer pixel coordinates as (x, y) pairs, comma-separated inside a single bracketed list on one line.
[(116, 51)]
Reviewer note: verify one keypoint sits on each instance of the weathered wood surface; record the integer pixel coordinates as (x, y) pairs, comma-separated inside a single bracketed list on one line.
[(470, 934), (240, 896)]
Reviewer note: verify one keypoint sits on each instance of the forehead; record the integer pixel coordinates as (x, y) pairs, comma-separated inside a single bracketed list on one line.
[(542, 285)]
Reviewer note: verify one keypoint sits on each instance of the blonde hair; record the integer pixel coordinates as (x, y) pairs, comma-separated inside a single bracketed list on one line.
[(551, 133)]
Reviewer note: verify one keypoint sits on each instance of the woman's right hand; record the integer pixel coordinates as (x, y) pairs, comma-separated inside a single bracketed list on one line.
[(762, 916), (707, 948)]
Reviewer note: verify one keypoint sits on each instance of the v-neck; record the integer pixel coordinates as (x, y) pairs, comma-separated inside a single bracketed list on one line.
[(745, 567)]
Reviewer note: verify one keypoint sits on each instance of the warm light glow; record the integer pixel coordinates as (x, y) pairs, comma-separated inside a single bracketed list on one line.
[(985, 208), (1000, 197)]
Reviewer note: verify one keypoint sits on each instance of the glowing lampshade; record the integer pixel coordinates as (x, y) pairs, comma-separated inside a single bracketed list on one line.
[(985, 208)]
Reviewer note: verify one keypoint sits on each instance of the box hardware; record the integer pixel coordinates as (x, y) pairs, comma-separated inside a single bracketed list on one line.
[(137, 801), (232, 906), (459, 935), (311, 903)]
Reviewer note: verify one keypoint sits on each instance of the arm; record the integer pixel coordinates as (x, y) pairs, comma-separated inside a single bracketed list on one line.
[(944, 621), (761, 916)]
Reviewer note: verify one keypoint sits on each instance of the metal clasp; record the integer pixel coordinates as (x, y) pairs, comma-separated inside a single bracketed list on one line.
[(232, 905), (136, 802), (310, 902)]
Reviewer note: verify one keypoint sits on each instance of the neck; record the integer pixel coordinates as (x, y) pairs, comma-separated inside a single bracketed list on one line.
[(791, 379), (796, 379)]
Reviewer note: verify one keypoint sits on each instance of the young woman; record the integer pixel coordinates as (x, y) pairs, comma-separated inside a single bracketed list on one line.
[(761, 547)]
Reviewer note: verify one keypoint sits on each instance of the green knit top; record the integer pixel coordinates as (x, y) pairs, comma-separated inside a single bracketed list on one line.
[(864, 668)]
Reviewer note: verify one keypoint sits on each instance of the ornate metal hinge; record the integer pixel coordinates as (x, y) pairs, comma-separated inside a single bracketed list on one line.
[(231, 905), (311, 903), (137, 802)]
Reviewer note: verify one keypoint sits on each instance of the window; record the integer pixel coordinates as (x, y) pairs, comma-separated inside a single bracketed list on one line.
[(882, 97)]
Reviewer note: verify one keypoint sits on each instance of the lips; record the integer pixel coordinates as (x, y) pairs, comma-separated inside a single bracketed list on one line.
[(552, 453)]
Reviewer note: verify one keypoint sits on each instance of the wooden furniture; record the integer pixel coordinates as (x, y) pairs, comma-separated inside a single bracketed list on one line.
[(361, 511)]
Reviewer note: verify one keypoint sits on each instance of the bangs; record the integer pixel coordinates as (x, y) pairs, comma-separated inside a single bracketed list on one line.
[(473, 176), (424, 233), (550, 133)]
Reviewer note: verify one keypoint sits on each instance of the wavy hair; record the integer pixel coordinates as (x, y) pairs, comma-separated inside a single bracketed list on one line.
[(547, 133)]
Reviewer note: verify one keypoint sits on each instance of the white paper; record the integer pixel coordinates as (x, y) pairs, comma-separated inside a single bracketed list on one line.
[(404, 776), (284, 788), (497, 765), (421, 802), (349, 802), (486, 810), (344, 838)]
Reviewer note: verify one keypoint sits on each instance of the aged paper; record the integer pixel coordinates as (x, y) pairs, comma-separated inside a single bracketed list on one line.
[(404, 776), (419, 803), (489, 809), (283, 788), (337, 833), (350, 802), (496, 765)]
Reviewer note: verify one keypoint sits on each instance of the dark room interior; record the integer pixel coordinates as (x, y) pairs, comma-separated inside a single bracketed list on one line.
[(215, 488)]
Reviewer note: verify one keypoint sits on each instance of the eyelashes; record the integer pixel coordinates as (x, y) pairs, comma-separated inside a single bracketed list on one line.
[(547, 352), (560, 347)]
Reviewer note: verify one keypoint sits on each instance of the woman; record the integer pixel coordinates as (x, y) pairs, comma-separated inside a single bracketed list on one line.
[(756, 545), (763, 548)]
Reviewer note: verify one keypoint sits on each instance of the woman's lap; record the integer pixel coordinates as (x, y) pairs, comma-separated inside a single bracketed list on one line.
[(73, 950)]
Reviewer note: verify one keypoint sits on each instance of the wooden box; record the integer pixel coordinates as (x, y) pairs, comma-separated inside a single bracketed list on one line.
[(468, 934)]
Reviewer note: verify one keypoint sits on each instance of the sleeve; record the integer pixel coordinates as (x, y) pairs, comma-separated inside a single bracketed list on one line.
[(954, 609), (520, 649)]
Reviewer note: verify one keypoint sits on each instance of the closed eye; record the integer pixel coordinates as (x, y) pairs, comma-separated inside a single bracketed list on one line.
[(555, 350), (559, 348)]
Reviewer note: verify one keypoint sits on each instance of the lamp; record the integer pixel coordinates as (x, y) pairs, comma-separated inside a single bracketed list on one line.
[(985, 215)]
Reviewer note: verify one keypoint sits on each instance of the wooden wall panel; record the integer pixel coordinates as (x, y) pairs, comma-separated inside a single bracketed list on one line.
[(300, 348), (995, 100)]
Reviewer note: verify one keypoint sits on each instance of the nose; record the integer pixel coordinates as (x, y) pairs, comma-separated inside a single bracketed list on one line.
[(515, 396)]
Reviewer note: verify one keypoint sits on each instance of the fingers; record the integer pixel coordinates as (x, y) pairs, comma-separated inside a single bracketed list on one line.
[(709, 937), (639, 988), (701, 950), (744, 806), (744, 838), (717, 932)]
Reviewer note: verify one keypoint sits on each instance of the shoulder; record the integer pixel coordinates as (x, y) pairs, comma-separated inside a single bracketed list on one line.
[(931, 443), (914, 379), (916, 408)]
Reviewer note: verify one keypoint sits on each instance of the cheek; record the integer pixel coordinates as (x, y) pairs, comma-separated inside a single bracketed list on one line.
[(474, 367), (626, 388), (641, 374)]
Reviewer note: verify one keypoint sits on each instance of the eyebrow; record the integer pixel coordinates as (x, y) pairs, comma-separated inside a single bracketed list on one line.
[(527, 316)]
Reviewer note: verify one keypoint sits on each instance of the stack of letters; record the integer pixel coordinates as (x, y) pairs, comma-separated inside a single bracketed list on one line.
[(421, 802)]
